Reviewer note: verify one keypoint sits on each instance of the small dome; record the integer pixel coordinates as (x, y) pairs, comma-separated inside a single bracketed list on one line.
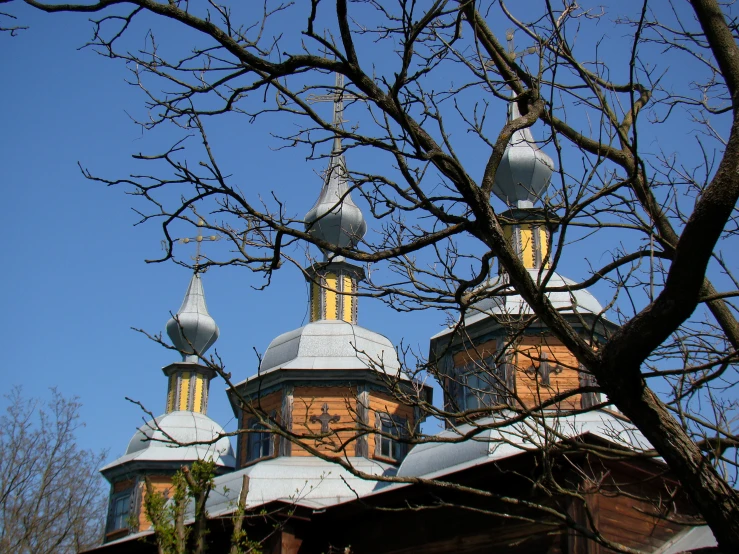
[(150, 442), (579, 301), (330, 344), (576, 301), (195, 326), (524, 172), (335, 217)]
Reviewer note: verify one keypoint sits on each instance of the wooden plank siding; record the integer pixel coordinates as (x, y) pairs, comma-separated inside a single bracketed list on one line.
[(161, 485), (341, 402), (527, 354), (563, 374)]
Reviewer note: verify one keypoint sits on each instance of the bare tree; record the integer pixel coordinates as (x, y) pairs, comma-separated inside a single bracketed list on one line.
[(428, 83), (52, 499)]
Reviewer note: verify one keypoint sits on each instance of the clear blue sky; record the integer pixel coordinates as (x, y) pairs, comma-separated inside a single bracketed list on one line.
[(75, 280)]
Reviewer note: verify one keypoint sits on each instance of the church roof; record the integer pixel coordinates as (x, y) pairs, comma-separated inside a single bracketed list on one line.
[(434, 459), (508, 303), (301, 480), (330, 344), (153, 441)]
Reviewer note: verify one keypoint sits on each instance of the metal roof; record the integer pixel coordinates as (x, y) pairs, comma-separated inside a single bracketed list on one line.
[(332, 344), (691, 539), (300, 480), (150, 443), (434, 459), (193, 327), (524, 171), (508, 303), (335, 217)]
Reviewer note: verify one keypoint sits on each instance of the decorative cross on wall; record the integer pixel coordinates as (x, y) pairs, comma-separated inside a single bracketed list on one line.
[(325, 419)]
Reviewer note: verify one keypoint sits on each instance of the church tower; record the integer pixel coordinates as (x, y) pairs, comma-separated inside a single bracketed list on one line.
[(503, 357), (331, 378), (155, 452)]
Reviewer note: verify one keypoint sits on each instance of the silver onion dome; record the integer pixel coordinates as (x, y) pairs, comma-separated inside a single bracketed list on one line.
[(192, 327), (335, 218), (524, 172)]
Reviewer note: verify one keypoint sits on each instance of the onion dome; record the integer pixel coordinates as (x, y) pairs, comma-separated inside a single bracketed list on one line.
[(192, 327), (524, 172), (335, 218)]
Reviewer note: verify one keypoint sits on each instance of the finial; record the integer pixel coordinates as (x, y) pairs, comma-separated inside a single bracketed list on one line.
[(335, 218), (524, 172), (192, 330)]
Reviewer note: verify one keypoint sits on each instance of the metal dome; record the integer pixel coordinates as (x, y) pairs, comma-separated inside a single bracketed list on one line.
[(576, 301), (524, 172), (330, 344), (193, 324), (335, 218), (156, 441), (511, 304)]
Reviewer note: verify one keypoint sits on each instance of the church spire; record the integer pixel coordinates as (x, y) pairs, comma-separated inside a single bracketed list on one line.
[(192, 331), (335, 219), (521, 181)]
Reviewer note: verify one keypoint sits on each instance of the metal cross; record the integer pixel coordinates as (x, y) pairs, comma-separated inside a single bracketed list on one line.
[(198, 239), (511, 51), (325, 419), (337, 97)]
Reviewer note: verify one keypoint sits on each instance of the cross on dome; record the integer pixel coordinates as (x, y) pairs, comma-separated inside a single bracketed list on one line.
[(335, 218)]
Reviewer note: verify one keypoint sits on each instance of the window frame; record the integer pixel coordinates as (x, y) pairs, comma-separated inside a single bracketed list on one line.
[(484, 392), (120, 521), (261, 442), (396, 426)]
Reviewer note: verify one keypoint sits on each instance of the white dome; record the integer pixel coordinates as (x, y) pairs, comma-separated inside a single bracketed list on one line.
[(150, 442), (576, 301), (193, 327), (524, 171), (330, 345)]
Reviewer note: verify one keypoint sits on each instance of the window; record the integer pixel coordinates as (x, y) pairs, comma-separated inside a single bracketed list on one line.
[(120, 510), (259, 442), (393, 428), (484, 383)]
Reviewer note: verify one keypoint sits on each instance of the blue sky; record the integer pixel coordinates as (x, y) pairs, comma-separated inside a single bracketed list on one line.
[(75, 279)]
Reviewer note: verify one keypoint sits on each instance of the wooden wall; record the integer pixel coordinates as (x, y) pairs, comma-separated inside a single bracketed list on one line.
[(161, 485), (341, 402), (269, 404), (530, 389), (563, 374)]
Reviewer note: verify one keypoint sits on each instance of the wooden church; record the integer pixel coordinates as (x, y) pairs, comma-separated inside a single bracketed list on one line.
[(570, 476)]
